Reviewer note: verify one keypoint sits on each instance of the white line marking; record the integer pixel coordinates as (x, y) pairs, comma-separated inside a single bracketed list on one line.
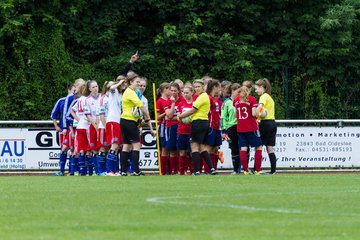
[(179, 200)]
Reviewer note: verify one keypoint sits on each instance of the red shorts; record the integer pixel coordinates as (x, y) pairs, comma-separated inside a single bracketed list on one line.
[(101, 139), (92, 138), (72, 142), (64, 139), (82, 140), (113, 133)]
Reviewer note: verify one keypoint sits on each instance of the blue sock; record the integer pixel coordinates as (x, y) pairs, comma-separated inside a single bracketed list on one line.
[(72, 165), (90, 166), (82, 164), (131, 162), (77, 169), (117, 164), (94, 162), (63, 156), (111, 161), (101, 162)]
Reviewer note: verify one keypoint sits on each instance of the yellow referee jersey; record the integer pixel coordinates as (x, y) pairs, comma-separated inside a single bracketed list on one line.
[(202, 104), (129, 100), (269, 104)]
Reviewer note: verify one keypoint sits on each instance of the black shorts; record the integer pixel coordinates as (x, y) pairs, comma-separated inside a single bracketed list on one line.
[(130, 131), (199, 131), (268, 129)]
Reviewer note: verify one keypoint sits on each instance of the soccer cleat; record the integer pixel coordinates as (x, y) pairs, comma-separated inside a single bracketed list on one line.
[(103, 174), (256, 173), (123, 174), (272, 173), (196, 173), (233, 173), (213, 171), (76, 174), (58, 174), (110, 174), (245, 173), (138, 174)]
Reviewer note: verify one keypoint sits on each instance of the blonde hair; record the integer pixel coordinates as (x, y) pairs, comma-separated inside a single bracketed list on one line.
[(244, 93), (248, 84)]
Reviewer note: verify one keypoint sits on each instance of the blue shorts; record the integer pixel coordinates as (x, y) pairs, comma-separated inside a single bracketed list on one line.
[(214, 138), (249, 139), (171, 138), (162, 139), (183, 142)]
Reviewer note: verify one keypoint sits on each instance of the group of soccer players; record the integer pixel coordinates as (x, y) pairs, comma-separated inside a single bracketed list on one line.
[(102, 130), (89, 125), (195, 118)]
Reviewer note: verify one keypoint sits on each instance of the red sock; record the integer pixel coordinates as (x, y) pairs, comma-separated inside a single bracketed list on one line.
[(182, 164), (258, 159), (201, 164), (214, 160), (190, 164), (244, 162), (164, 161), (173, 163)]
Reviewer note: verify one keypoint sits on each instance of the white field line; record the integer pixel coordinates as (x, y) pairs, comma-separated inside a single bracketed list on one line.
[(179, 200)]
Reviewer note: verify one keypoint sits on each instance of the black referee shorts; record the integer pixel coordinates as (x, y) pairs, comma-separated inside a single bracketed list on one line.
[(268, 129), (199, 131), (130, 131)]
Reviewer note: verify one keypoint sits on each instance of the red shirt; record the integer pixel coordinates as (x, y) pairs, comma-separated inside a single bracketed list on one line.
[(174, 121), (245, 121), (215, 112), (160, 105), (182, 127)]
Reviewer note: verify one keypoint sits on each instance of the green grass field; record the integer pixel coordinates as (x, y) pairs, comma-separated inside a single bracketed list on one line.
[(283, 206)]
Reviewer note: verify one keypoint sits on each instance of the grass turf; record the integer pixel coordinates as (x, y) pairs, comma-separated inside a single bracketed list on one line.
[(283, 206)]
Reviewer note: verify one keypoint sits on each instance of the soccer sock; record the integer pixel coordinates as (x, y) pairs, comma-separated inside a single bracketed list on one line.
[(62, 161), (168, 165), (77, 169), (89, 164), (136, 157), (207, 159), (244, 160), (258, 159), (236, 163), (124, 157), (196, 160), (117, 163), (201, 164), (272, 158), (82, 164), (214, 159), (131, 162), (101, 157), (173, 163), (182, 164), (94, 162), (163, 160), (190, 165), (111, 159), (72, 165)]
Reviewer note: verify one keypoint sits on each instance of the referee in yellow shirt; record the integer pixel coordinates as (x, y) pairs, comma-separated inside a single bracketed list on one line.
[(267, 125), (129, 126), (199, 127)]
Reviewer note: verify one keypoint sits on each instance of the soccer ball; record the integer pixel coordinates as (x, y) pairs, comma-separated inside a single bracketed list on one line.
[(186, 120), (136, 111), (263, 113)]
